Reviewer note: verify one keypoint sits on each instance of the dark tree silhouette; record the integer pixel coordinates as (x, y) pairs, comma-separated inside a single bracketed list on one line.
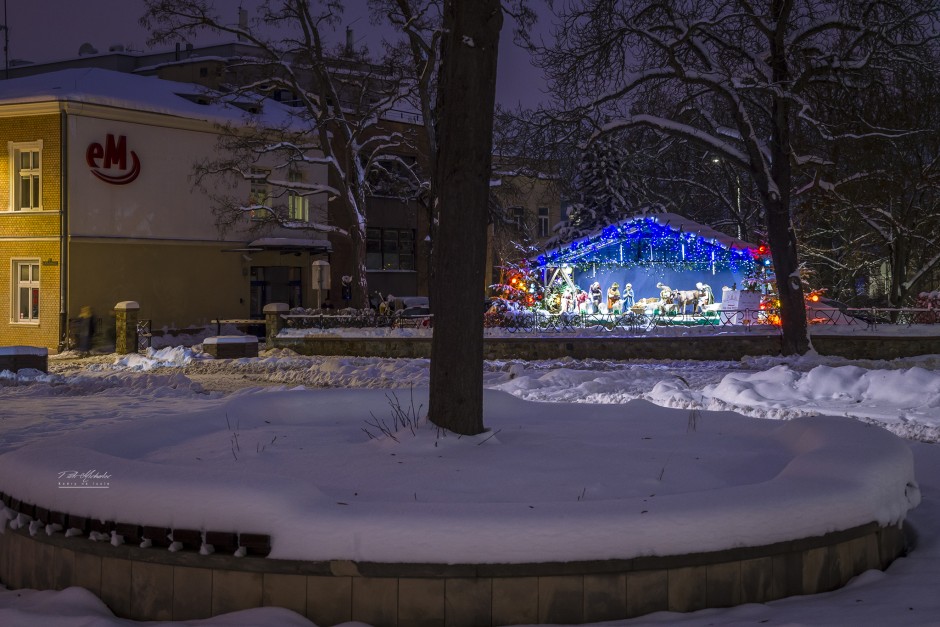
[(466, 98)]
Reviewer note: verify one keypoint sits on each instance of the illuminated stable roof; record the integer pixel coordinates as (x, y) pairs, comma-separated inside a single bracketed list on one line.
[(663, 239)]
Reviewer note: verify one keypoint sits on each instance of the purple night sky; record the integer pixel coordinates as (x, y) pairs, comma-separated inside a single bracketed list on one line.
[(48, 30)]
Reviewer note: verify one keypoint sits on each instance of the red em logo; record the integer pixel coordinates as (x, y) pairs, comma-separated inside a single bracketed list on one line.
[(113, 155)]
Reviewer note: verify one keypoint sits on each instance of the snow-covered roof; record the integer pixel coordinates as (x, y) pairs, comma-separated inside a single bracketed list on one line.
[(130, 91), (685, 225)]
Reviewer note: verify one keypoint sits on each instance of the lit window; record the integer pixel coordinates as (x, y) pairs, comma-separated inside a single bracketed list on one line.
[(27, 179), (298, 205), (259, 193), (26, 293)]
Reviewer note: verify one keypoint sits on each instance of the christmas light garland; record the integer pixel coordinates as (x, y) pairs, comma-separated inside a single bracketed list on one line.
[(645, 242)]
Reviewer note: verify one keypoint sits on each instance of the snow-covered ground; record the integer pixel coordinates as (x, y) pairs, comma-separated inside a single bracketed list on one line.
[(153, 422)]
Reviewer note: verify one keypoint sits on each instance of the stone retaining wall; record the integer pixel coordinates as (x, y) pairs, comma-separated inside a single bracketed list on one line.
[(151, 584), (875, 346), (700, 347)]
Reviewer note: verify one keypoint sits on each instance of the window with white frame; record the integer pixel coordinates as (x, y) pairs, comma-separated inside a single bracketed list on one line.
[(543, 221), (26, 176), (517, 214), (26, 291)]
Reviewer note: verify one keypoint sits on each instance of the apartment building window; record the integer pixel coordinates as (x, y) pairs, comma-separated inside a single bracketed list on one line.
[(390, 249), (298, 205), (259, 193), (518, 215), (26, 190), (26, 291), (543, 221)]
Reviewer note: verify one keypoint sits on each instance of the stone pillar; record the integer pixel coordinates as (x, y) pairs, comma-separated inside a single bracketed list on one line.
[(125, 319), (273, 322)]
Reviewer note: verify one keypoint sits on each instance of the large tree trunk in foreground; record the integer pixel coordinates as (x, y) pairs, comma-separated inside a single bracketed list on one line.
[(466, 98), (782, 242), (780, 233)]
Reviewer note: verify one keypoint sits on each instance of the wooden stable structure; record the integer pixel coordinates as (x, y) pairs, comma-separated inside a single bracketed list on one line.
[(663, 262)]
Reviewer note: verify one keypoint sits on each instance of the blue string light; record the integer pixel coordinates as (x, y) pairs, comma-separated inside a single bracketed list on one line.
[(646, 242)]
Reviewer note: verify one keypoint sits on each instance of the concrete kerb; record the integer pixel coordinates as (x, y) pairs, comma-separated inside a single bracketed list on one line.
[(151, 583)]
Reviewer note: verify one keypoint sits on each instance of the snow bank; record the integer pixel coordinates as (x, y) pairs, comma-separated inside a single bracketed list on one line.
[(77, 606), (11, 351), (169, 356), (541, 486), (780, 386)]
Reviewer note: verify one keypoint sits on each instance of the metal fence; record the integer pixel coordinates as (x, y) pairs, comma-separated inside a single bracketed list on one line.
[(359, 320), (144, 335), (541, 322), (874, 316)]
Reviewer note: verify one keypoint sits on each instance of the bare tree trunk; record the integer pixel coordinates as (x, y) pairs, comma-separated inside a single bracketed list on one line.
[(466, 97), (360, 287), (780, 234), (782, 242), (897, 267)]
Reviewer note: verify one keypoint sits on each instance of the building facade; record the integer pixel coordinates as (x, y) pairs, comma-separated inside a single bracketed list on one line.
[(527, 207), (397, 259), (397, 231), (98, 206)]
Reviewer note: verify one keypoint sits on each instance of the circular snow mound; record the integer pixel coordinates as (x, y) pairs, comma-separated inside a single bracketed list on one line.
[(616, 510), (361, 475)]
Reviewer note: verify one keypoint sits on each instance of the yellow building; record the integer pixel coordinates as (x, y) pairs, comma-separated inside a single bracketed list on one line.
[(397, 261), (97, 206)]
